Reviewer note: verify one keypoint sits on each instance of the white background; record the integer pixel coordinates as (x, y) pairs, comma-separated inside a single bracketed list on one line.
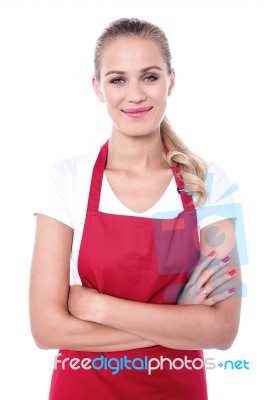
[(49, 111)]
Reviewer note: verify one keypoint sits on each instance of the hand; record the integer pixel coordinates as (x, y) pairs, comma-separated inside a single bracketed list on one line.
[(81, 302), (208, 282)]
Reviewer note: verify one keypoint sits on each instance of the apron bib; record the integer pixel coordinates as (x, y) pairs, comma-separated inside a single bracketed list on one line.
[(138, 259)]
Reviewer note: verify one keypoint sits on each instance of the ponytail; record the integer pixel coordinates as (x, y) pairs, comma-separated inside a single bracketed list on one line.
[(193, 168)]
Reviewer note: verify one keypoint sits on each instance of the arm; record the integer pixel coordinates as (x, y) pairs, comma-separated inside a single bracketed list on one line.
[(179, 326), (51, 323)]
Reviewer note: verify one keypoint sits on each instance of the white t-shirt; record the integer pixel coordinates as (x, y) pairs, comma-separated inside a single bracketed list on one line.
[(64, 197)]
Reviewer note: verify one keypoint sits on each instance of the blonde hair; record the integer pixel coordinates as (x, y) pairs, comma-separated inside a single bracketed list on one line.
[(192, 168)]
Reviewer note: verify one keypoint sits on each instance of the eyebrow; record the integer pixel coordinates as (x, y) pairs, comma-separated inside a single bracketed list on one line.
[(142, 70)]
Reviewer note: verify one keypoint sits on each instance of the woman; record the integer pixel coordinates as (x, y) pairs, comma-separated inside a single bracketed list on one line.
[(158, 284)]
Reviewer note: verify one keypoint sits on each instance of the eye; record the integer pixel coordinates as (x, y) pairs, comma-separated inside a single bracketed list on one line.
[(151, 78), (117, 81)]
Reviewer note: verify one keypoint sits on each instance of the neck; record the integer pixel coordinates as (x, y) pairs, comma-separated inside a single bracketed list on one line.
[(139, 153)]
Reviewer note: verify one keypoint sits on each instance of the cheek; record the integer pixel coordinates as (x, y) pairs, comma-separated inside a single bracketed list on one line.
[(159, 94), (113, 97)]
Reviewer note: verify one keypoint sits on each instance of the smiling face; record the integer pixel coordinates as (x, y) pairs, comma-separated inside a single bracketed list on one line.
[(134, 83)]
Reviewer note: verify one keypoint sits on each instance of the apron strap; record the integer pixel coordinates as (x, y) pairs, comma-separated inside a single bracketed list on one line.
[(187, 199), (96, 180)]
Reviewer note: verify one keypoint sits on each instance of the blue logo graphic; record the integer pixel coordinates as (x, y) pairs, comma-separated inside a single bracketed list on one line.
[(238, 364), (214, 211)]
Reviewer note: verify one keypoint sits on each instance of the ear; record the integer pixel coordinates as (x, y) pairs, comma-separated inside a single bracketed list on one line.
[(172, 82), (97, 88)]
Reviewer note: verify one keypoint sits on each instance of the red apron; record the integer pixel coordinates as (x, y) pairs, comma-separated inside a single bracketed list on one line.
[(138, 259)]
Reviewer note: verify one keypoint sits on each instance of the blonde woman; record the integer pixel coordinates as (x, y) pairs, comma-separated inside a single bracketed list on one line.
[(153, 283)]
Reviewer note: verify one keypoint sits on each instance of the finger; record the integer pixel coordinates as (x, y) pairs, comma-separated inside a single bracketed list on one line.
[(204, 279), (204, 263), (218, 264), (221, 271), (215, 271), (206, 282), (221, 279), (213, 284), (197, 298), (212, 300), (208, 275)]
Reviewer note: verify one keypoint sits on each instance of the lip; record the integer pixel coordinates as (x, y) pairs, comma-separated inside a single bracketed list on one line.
[(136, 112)]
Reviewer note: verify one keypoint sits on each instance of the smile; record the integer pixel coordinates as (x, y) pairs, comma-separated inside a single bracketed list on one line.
[(137, 112)]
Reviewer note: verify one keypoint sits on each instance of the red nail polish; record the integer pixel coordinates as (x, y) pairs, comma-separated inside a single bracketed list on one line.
[(232, 290), (232, 272), (212, 254), (226, 259)]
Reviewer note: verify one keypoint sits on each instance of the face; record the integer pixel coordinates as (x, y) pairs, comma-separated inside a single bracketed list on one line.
[(134, 85)]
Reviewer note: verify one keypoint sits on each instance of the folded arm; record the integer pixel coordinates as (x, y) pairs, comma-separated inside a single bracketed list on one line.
[(51, 323), (186, 326), (109, 323)]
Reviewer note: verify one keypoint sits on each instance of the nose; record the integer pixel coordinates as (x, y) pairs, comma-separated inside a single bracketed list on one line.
[(135, 92)]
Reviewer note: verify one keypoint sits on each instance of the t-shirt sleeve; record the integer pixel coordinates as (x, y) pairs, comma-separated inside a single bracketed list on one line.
[(55, 193), (222, 194)]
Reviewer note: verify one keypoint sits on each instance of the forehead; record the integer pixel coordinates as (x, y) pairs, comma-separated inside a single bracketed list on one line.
[(131, 54)]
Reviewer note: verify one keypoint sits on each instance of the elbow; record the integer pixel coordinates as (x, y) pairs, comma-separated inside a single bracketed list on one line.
[(225, 344), (42, 342), (226, 338), (41, 337), (46, 334), (225, 328), (49, 327)]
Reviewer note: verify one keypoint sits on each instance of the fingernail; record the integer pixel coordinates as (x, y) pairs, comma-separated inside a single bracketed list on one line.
[(212, 254), (232, 272), (226, 259), (231, 290)]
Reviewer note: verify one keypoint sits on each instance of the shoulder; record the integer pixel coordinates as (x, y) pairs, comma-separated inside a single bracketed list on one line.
[(64, 190), (216, 171), (222, 192), (219, 184), (69, 169)]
